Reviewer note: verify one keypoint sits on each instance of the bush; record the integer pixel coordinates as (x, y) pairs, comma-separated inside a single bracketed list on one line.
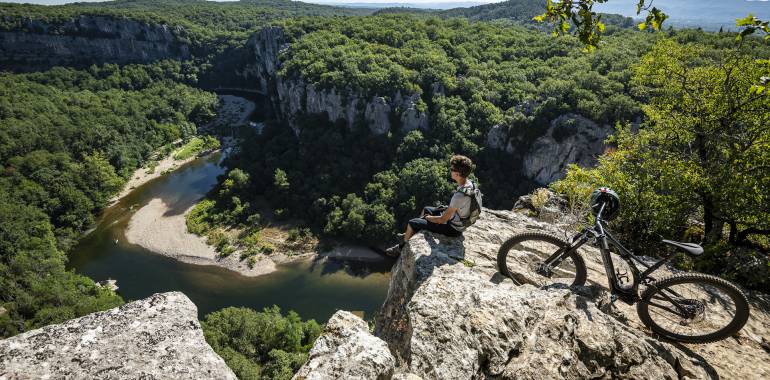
[(267, 248), (539, 198), (218, 239), (191, 148), (260, 345)]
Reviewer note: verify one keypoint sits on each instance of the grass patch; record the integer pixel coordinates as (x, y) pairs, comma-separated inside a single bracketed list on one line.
[(195, 146)]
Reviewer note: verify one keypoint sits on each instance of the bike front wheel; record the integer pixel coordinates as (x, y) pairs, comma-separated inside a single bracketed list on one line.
[(693, 308), (521, 257)]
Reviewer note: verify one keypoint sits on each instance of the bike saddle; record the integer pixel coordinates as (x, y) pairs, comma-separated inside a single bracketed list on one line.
[(690, 248)]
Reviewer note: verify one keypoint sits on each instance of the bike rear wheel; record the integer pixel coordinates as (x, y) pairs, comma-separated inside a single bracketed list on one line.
[(693, 308), (521, 255)]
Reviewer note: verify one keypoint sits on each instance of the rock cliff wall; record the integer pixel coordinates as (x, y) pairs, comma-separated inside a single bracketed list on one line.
[(295, 96), (156, 338), (87, 40), (569, 139)]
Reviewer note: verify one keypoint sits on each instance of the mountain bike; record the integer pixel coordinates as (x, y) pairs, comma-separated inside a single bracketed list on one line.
[(686, 307)]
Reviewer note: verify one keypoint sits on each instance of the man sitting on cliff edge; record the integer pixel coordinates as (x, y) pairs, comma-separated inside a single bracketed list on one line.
[(463, 210)]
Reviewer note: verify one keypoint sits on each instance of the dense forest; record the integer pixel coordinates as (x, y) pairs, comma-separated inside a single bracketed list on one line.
[(204, 23), (68, 141), (471, 77)]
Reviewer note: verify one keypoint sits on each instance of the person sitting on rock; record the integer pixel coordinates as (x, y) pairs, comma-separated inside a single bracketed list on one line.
[(452, 220)]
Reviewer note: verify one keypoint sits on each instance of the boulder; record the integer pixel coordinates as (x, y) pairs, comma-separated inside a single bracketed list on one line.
[(547, 206), (347, 350), (155, 338)]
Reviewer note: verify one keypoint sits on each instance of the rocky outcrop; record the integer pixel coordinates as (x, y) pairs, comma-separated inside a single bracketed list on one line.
[(155, 338), (450, 315), (570, 139), (87, 40), (346, 350), (295, 96)]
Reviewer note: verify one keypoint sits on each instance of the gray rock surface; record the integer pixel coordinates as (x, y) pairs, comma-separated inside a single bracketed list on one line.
[(89, 39), (295, 96), (547, 206), (570, 139), (155, 338), (450, 315), (347, 350)]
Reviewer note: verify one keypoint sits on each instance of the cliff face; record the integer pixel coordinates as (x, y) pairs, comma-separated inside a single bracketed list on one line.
[(569, 139), (155, 338), (294, 96), (450, 315), (87, 40)]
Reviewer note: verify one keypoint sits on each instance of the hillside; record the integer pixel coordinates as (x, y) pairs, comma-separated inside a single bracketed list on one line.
[(522, 11)]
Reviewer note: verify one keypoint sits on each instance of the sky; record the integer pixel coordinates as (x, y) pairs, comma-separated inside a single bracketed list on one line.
[(48, 2)]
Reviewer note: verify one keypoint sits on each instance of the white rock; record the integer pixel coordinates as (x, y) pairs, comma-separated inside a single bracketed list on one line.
[(450, 315), (346, 350), (155, 338)]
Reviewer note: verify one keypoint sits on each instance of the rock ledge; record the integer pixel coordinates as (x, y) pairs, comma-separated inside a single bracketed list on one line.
[(155, 338)]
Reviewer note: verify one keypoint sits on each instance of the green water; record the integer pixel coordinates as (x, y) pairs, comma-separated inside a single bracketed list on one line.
[(313, 288)]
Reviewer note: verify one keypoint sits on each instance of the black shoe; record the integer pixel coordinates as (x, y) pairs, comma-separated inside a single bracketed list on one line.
[(394, 251)]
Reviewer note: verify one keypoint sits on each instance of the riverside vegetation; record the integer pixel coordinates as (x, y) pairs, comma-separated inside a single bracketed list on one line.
[(69, 139)]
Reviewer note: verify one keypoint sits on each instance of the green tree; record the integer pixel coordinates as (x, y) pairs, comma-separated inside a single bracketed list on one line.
[(260, 345), (703, 155)]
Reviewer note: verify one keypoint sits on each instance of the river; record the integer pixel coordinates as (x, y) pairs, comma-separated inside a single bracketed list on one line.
[(313, 288)]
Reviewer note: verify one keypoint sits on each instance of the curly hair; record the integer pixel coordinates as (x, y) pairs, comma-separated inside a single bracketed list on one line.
[(462, 165)]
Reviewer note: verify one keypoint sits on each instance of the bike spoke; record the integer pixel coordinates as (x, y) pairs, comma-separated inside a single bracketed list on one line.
[(524, 259), (692, 309)]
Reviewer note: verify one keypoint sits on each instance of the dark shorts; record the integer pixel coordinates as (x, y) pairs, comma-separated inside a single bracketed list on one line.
[(419, 224)]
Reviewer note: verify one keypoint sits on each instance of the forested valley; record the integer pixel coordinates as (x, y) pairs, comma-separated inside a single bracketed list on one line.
[(689, 154)]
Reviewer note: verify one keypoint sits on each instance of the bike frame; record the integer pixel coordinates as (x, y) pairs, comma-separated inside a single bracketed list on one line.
[(605, 240)]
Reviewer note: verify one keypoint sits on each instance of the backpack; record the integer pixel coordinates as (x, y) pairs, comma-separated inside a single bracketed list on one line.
[(476, 204)]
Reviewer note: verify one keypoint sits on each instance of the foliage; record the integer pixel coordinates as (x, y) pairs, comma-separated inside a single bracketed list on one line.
[(203, 23), (260, 345), (589, 26), (35, 289), (197, 145), (471, 78), (69, 139), (703, 155)]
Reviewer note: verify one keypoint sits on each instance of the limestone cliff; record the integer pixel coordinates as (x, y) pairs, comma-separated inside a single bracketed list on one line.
[(569, 139), (295, 96), (87, 40), (450, 315), (156, 338)]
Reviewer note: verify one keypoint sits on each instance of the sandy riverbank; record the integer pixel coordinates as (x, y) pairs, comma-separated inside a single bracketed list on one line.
[(155, 228)]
